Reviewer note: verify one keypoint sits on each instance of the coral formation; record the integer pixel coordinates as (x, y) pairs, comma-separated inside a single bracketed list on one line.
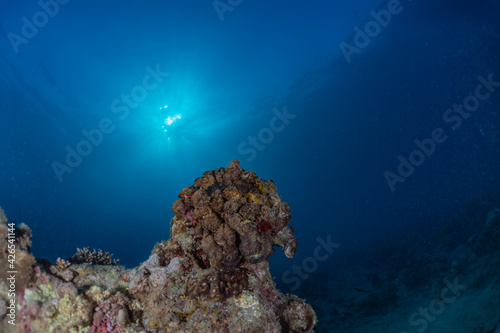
[(92, 257), (212, 275), (15, 247), (228, 219), (63, 264)]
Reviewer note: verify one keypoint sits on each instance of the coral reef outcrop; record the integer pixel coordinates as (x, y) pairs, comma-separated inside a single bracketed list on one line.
[(227, 221), (211, 275)]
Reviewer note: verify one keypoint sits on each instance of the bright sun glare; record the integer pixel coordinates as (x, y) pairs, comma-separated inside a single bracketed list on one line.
[(170, 120)]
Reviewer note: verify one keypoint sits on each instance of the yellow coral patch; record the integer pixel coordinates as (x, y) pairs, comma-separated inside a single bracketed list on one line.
[(262, 187), (44, 291), (254, 199), (97, 294), (232, 193)]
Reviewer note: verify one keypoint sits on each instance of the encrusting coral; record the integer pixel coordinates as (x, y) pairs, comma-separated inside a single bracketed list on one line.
[(212, 275)]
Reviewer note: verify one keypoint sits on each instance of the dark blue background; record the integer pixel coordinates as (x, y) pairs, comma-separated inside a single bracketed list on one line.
[(352, 120)]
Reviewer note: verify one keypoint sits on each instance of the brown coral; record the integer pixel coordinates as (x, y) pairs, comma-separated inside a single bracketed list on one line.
[(92, 257), (220, 285), (246, 209), (231, 217)]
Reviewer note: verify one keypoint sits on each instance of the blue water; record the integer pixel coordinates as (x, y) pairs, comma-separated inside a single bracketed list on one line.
[(167, 90)]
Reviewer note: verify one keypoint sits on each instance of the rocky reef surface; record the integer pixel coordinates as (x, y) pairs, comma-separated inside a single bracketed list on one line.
[(212, 275)]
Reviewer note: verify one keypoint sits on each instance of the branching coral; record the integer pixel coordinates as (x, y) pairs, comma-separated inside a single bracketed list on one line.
[(63, 264), (92, 257)]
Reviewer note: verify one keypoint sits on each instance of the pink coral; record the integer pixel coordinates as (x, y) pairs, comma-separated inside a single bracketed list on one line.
[(105, 316)]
